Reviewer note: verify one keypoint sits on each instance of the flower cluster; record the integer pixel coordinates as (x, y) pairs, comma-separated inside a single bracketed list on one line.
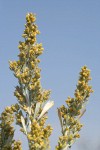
[(17, 145), (32, 98), (69, 116), (7, 141), (39, 135)]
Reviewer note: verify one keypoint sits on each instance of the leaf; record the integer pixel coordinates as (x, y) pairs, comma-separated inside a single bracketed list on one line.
[(29, 110), (60, 117), (82, 113), (37, 109), (23, 124), (47, 106)]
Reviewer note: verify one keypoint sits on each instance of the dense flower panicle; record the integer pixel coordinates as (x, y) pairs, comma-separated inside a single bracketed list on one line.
[(30, 113), (32, 98), (69, 116)]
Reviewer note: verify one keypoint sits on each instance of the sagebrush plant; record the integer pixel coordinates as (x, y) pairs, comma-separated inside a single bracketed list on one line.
[(30, 112)]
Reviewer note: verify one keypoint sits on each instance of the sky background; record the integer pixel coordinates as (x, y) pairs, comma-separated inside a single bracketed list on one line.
[(70, 33)]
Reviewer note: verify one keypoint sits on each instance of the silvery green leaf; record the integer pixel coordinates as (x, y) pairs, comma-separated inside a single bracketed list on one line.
[(37, 109), (82, 113), (60, 117), (23, 124), (66, 148), (27, 96), (46, 107), (29, 110), (24, 92), (85, 103)]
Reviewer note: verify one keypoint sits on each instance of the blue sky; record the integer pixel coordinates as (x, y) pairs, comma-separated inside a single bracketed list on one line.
[(70, 33)]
